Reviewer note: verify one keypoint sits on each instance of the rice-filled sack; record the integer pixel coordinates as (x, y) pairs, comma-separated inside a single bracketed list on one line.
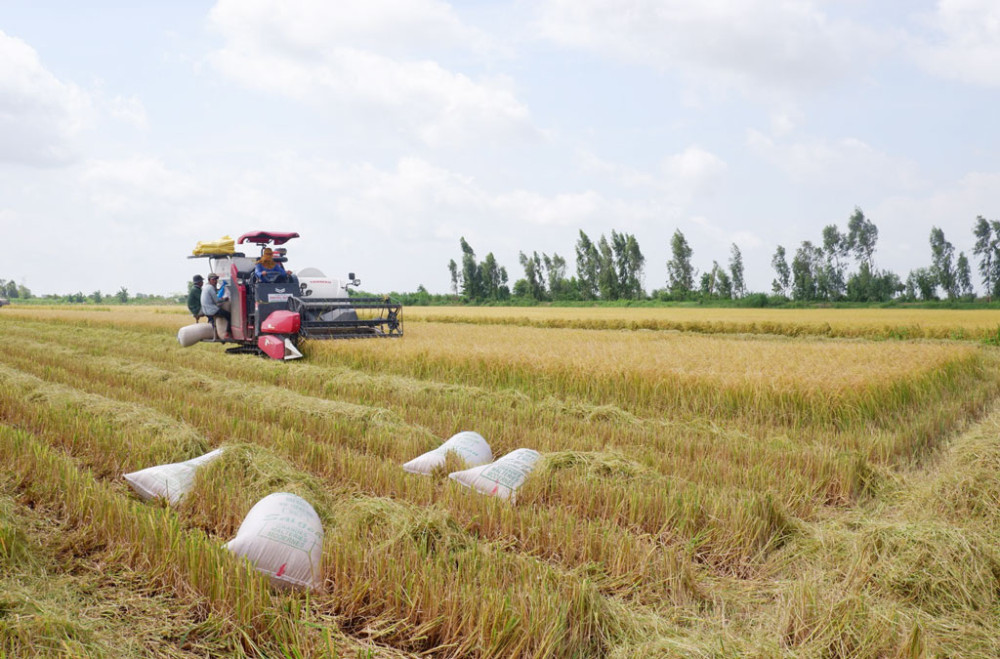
[(501, 478), (224, 245), (189, 335), (283, 537), (468, 445), (170, 481)]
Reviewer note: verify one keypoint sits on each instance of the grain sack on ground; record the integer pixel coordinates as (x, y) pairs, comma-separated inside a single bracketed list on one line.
[(283, 537), (501, 478), (468, 445), (170, 481)]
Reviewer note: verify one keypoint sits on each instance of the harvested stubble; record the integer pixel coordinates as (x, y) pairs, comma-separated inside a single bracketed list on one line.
[(732, 545), (586, 544), (357, 472), (146, 538), (756, 455), (731, 534), (551, 602)]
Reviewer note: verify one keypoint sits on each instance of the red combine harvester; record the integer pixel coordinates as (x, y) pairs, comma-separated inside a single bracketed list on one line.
[(270, 317)]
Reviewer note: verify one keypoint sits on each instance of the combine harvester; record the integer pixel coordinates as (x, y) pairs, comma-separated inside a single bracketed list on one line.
[(270, 318)]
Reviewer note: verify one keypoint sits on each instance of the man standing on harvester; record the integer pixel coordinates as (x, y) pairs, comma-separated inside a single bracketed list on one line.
[(194, 297), (210, 306)]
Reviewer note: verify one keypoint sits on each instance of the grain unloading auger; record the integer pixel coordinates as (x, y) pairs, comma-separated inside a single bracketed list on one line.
[(271, 312)]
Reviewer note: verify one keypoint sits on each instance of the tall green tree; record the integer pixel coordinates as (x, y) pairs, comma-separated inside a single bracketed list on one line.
[(472, 276), (942, 263), (783, 275), (736, 269), (533, 275), (806, 266), (494, 279), (963, 277), (555, 276), (921, 284), (832, 281), (453, 271), (987, 248), (607, 274), (636, 266), (867, 285), (588, 264), (629, 264), (862, 235), (680, 272)]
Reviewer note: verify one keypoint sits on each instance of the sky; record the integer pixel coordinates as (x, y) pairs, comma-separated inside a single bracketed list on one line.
[(382, 131)]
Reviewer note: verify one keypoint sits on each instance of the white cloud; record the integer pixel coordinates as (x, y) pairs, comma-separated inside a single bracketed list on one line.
[(565, 210), (694, 171), (370, 57), (844, 164), (966, 42), (417, 197), (40, 116), (680, 177), (129, 109), (953, 207), (723, 237), (748, 43), (304, 27), (132, 188)]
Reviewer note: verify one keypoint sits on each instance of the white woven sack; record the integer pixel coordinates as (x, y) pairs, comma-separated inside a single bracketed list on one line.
[(470, 446), (501, 478), (189, 335), (171, 481), (283, 537)]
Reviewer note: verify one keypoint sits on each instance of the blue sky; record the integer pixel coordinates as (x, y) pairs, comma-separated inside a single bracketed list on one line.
[(383, 130)]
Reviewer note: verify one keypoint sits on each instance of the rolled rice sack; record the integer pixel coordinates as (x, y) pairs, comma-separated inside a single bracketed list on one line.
[(170, 481), (501, 478), (224, 245), (283, 537), (470, 446), (189, 335)]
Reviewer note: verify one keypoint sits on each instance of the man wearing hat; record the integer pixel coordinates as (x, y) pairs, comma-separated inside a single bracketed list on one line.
[(194, 298), (210, 305)]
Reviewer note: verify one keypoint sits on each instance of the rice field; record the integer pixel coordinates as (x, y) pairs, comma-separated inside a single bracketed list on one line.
[(889, 323), (712, 493)]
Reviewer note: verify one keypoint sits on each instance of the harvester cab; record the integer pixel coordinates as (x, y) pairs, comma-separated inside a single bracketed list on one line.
[(272, 309)]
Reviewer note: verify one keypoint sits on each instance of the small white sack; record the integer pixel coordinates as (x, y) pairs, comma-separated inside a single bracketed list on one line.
[(171, 481), (189, 335), (501, 478), (470, 446), (283, 537)]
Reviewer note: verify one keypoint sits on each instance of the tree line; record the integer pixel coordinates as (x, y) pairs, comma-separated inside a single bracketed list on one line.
[(605, 270), (840, 266), (14, 291)]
